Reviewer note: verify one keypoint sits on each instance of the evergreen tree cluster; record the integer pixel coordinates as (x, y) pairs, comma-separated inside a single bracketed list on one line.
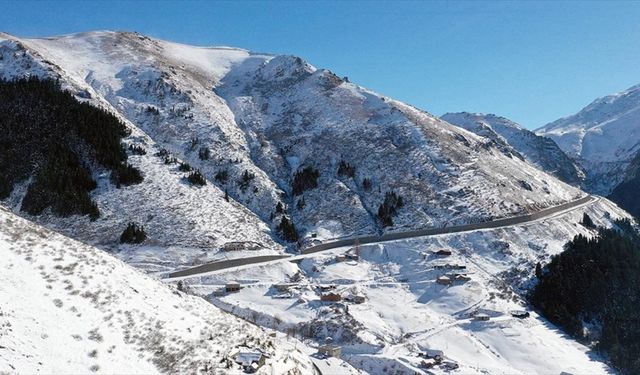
[(366, 184), (185, 167), (222, 176), (204, 153), (587, 222), (245, 180), (305, 179), (137, 150), (196, 178), (597, 280), (389, 208), (287, 230), (45, 133), (133, 234), (346, 170)]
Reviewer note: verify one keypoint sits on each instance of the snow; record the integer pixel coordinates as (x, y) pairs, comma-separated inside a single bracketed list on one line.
[(406, 312), (539, 151), (604, 136), (268, 115), (67, 307)]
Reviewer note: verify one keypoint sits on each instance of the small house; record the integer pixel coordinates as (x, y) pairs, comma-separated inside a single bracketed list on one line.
[(352, 256), (444, 280), (460, 277), (330, 350), (324, 288), (482, 317), (442, 252), (359, 298), (232, 287), (438, 355), (282, 287), (330, 297), (250, 360), (520, 314), (341, 258)]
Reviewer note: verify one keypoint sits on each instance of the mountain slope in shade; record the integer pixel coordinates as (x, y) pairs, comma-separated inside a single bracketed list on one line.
[(66, 307), (603, 137), (627, 193), (539, 151), (250, 122)]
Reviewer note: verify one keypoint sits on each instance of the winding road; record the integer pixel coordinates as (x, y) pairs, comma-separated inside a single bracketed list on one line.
[(500, 223)]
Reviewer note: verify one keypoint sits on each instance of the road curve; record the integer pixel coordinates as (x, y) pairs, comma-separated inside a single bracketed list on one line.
[(515, 220)]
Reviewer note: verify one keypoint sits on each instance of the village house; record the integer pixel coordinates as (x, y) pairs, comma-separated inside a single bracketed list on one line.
[(324, 288), (283, 287), (232, 287), (330, 297), (481, 317), (442, 252), (330, 350), (444, 280), (250, 360), (520, 314), (359, 298)]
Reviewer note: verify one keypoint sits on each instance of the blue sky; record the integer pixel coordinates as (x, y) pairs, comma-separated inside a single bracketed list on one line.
[(532, 62)]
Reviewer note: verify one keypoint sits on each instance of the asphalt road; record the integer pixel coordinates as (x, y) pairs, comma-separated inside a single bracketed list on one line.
[(522, 219)]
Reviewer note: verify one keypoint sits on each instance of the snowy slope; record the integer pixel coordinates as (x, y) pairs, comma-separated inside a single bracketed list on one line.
[(539, 151), (270, 115), (407, 312), (66, 307), (603, 136), (185, 224)]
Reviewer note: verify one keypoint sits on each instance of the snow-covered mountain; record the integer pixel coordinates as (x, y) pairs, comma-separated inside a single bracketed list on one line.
[(66, 307), (540, 151), (252, 122), (603, 137), (276, 137)]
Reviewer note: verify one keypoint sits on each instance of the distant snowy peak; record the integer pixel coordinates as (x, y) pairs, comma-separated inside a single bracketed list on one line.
[(607, 130), (539, 151)]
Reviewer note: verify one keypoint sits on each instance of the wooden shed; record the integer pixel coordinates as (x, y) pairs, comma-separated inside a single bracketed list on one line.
[(232, 286)]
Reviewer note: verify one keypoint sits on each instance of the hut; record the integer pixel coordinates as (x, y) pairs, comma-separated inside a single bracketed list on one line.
[(520, 314), (282, 287), (330, 297), (359, 298), (330, 350), (482, 317), (250, 360), (442, 252), (232, 286), (444, 280)]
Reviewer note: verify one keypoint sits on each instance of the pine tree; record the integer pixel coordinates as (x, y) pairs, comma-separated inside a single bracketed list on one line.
[(133, 234), (287, 230), (587, 222)]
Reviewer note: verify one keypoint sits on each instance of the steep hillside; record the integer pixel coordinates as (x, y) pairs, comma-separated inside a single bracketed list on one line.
[(66, 307), (185, 223), (280, 138), (542, 152), (603, 137), (627, 193)]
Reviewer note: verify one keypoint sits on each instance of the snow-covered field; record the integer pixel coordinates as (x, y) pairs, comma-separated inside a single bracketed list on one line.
[(66, 307), (406, 311)]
